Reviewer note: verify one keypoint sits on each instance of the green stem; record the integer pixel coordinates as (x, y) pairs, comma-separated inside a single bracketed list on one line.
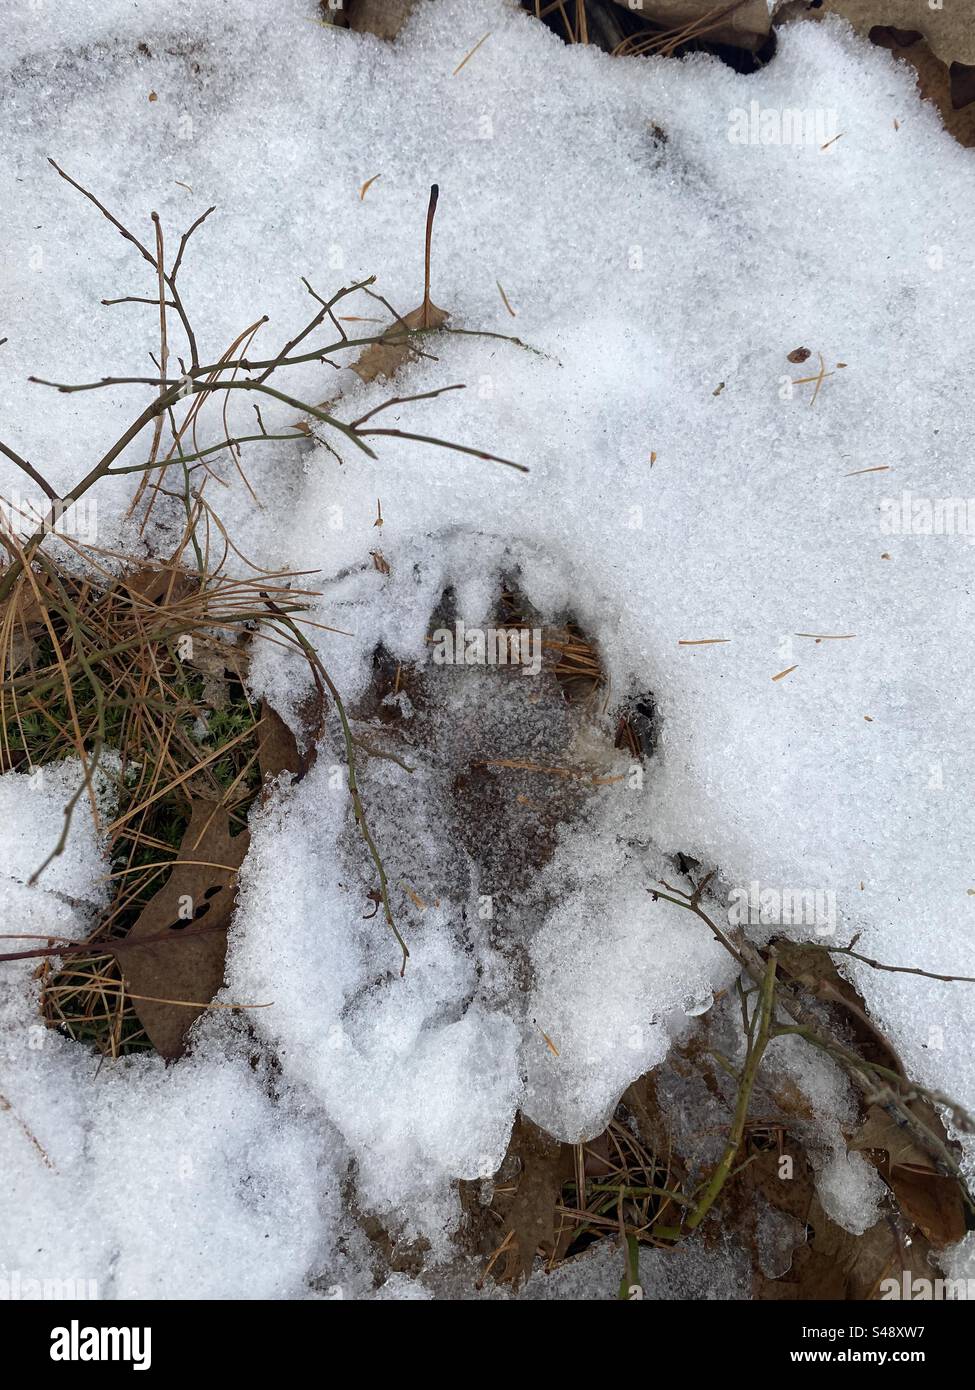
[(756, 1049)]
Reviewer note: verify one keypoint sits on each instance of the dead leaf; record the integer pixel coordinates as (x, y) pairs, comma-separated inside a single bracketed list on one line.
[(22, 651), (814, 968), (187, 961), (934, 82), (384, 18), (831, 1263), (212, 658), (948, 29), (278, 749), (395, 349), (880, 1131), (160, 584), (932, 1200), (938, 42), (799, 354)]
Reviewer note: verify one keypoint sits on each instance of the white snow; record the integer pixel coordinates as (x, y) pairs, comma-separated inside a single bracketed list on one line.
[(663, 280)]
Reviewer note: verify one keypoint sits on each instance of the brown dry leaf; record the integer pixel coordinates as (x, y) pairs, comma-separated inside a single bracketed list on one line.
[(530, 1221), (187, 963), (934, 83), (962, 84), (278, 750), (789, 1096), (384, 18), (161, 584), (836, 1264), (948, 30), (831, 1263), (940, 43), (814, 969), (927, 1198), (211, 658), (881, 1131), (932, 1200), (385, 358)]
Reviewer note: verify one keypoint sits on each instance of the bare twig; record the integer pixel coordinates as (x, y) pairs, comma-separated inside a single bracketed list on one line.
[(31, 472)]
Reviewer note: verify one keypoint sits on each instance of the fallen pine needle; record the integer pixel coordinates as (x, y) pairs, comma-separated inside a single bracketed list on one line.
[(701, 641), (471, 54), (786, 672), (494, 1258), (367, 185), (880, 468), (819, 380), (5, 1105), (507, 302), (194, 1004), (167, 864)]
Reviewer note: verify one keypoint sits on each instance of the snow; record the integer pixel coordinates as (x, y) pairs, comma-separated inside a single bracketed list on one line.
[(663, 280), (138, 1180)]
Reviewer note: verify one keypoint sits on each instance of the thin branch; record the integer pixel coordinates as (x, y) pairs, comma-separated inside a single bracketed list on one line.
[(404, 400), (210, 449), (760, 1032), (326, 310), (170, 280), (138, 299), (31, 472), (185, 238), (446, 444), (892, 969)]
